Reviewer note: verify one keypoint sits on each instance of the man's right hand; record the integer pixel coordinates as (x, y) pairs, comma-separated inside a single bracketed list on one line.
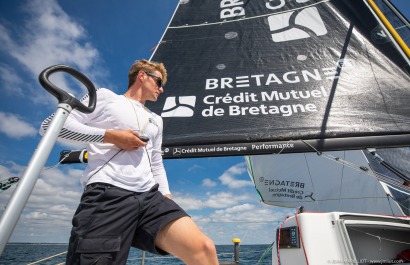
[(125, 139)]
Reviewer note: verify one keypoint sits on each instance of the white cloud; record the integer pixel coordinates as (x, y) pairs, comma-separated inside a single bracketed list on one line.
[(49, 37), (247, 213), (188, 202), (252, 223), (50, 207), (11, 81), (218, 200), (14, 127), (228, 177), (57, 193), (208, 183), (53, 37), (5, 38), (225, 199)]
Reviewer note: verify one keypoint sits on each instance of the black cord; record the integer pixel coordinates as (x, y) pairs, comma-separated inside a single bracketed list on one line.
[(104, 164), (149, 160)]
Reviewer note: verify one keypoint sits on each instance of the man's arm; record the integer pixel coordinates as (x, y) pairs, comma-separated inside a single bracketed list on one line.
[(157, 165), (77, 130), (125, 139)]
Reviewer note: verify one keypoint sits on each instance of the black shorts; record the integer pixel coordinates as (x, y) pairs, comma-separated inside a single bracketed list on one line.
[(109, 220)]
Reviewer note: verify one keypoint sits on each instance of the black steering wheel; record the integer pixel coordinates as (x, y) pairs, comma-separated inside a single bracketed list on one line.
[(64, 97)]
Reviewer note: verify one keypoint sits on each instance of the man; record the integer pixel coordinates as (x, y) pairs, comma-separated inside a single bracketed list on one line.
[(126, 200)]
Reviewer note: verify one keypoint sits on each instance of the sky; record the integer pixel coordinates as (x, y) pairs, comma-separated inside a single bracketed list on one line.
[(102, 39)]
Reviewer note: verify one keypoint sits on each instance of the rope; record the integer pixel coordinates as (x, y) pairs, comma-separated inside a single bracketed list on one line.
[(277, 243), (380, 238), (365, 170), (301, 238), (391, 207), (265, 253), (341, 183), (7, 183), (311, 181), (399, 203), (48, 258), (59, 162)]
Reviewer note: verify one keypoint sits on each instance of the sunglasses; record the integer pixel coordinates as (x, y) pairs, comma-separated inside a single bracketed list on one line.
[(158, 79)]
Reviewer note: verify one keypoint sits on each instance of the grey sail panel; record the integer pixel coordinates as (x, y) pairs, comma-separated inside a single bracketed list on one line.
[(321, 183)]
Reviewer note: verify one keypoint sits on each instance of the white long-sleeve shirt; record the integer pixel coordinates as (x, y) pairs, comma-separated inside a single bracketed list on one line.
[(136, 170)]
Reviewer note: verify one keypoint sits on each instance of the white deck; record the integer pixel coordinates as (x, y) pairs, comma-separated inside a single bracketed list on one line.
[(345, 238)]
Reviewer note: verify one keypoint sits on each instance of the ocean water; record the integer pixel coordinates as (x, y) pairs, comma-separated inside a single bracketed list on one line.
[(19, 254)]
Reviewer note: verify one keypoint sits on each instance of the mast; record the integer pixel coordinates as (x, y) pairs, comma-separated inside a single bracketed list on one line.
[(389, 27)]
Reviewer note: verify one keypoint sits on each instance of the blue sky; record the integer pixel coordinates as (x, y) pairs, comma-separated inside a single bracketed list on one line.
[(102, 39)]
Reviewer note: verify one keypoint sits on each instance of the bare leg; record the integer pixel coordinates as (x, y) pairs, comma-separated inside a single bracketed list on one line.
[(183, 239)]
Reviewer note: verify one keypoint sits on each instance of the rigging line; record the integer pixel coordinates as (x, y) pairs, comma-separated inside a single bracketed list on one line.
[(389, 27), (361, 169), (149, 258), (399, 203), (379, 237), (349, 164), (224, 253), (278, 239), (234, 222), (104, 164), (246, 18), (391, 207), (7, 178), (267, 251), (301, 237), (341, 182), (59, 162), (53, 256), (337, 159), (394, 9), (329, 199), (402, 27), (390, 180), (311, 181), (391, 168), (18, 178), (283, 148), (246, 233), (399, 190), (248, 252)]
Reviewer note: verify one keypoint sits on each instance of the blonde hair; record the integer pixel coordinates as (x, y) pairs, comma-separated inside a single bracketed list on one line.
[(146, 66)]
